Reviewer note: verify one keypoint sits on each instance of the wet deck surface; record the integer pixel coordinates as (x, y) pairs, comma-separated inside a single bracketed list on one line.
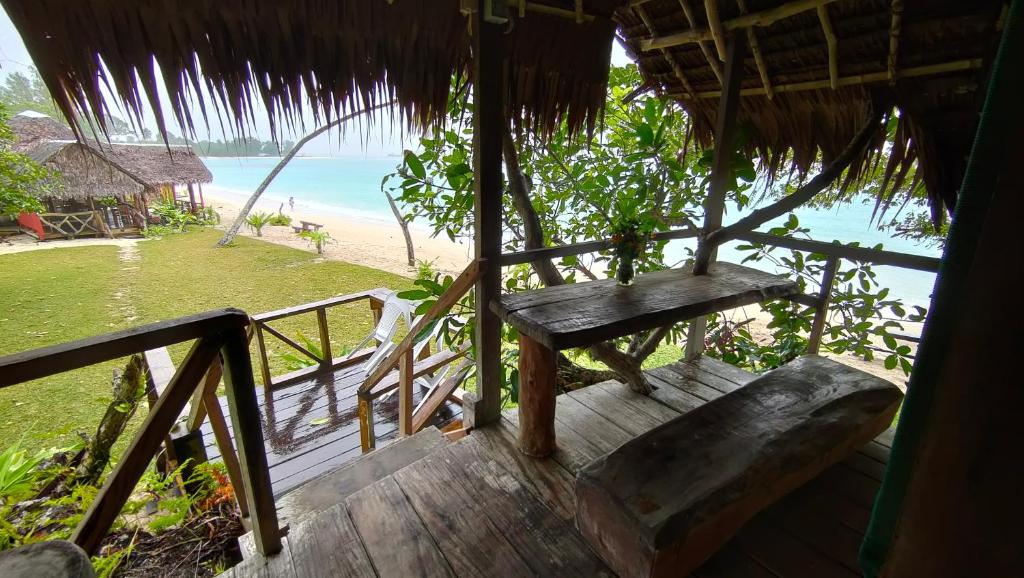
[(479, 507), (312, 427)]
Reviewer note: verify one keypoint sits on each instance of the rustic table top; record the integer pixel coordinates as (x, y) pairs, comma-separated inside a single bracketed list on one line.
[(581, 314)]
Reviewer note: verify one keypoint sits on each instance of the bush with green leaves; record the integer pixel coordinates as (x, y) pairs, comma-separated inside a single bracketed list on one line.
[(22, 180), (280, 220), (256, 222), (174, 217), (319, 239)]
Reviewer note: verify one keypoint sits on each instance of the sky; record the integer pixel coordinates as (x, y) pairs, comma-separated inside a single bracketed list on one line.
[(381, 139)]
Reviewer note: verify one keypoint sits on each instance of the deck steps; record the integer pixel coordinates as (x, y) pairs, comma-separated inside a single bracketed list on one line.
[(325, 491)]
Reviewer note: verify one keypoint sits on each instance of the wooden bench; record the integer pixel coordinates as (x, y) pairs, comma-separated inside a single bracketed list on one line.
[(664, 502), (307, 226)]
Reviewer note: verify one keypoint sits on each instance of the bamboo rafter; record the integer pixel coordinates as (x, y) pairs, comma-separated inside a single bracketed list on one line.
[(833, 45), (704, 47), (755, 49), (762, 18), (715, 25), (894, 37), (872, 77), (676, 68)]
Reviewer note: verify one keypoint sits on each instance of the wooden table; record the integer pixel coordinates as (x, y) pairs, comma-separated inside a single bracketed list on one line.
[(581, 314)]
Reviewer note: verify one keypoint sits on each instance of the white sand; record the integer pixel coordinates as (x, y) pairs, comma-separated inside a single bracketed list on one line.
[(377, 244)]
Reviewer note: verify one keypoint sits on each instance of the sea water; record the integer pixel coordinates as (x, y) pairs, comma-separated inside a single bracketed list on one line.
[(351, 187)]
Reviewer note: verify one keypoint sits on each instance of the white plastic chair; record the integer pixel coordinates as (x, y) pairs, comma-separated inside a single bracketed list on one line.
[(394, 309)]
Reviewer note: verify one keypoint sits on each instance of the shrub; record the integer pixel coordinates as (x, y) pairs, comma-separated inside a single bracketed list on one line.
[(317, 238), (280, 220), (257, 221)]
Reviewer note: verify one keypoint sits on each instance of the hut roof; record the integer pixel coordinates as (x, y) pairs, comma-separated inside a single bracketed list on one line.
[(340, 57), (156, 164), (83, 171), (31, 128), (815, 67), (824, 63)]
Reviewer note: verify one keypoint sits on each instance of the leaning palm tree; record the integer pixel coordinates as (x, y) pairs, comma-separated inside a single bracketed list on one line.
[(249, 204)]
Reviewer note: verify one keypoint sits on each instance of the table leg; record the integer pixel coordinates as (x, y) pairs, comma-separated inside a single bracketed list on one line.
[(537, 380)]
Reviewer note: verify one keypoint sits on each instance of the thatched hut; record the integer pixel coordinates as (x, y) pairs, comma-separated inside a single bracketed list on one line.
[(103, 186), (817, 83)]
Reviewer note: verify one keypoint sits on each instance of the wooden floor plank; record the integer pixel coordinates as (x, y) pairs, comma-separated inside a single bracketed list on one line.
[(665, 376), (278, 566), (572, 450), (471, 543), (327, 545), (615, 410), (593, 427), (545, 478), (724, 370), (885, 438), (865, 465), (394, 537), (785, 555), (732, 562), (674, 397), (549, 545), (649, 405), (851, 484), (692, 372), (876, 451), (817, 527)]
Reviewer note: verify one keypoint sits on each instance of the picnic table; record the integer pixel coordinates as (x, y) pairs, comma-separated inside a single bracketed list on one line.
[(307, 226)]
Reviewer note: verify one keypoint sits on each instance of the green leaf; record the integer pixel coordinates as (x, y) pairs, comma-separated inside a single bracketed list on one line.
[(319, 421), (645, 134), (890, 341), (414, 294), (425, 306), (415, 165), (430, 285)]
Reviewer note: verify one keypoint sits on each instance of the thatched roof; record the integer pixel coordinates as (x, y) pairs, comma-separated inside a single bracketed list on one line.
[(156, 164), (927, 58), (338, 56), (82, 172), (31, 128)]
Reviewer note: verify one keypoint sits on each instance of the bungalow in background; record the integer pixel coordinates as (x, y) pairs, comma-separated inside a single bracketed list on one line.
[(103, 188)]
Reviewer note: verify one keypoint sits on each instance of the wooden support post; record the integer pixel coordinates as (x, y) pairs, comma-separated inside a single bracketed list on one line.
[(367, 437), (714, 206), (705, 48), (261, 348), (192, 198), (821, 309), (717, 33), (405, 406), (325, 338), (488, 127), (538, 371), (219, 425), (252, 455), (833, 46)]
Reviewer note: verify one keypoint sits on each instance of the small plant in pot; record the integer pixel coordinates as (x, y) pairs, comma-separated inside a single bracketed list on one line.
[(630, 234)]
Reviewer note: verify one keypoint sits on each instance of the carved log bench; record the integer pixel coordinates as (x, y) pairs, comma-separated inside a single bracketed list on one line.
[(664, 502)]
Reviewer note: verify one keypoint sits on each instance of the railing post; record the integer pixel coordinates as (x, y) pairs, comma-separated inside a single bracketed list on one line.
[(821, 309), (261, 348), (325, 337), (252, 455), (367, 437), (405, 371)]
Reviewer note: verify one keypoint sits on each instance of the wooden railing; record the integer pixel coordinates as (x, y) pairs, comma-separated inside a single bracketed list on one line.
[(72, 224), (325, 361), (378, 383), (835, 252), (216, 334)]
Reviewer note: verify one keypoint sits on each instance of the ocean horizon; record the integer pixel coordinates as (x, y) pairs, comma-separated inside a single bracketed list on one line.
[(351, 187)]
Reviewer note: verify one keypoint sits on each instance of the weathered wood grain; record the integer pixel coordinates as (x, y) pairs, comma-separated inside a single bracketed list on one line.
[(654, 507), (659, 412), (668, 378), (580, 314), (258, 566), (392, 534), (538, 373), (601, 432), (327, 545), (614, 409)]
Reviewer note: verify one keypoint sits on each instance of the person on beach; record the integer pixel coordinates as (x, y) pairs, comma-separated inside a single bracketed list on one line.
[(291, 204)]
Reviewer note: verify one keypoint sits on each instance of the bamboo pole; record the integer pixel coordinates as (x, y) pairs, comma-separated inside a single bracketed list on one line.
[(894, 37), (854, 80), (704, 47), (717, 33), (833, 46), (676, 68), (762, 18), (755, 49)]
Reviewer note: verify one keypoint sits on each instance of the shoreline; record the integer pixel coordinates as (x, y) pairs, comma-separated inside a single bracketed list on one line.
[(354, 239)]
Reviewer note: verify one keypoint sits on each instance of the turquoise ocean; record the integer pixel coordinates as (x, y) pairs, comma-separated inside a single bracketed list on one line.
[(351, 186)]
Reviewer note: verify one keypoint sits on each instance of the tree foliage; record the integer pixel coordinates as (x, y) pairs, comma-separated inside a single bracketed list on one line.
[(21, 179), (639, 163)]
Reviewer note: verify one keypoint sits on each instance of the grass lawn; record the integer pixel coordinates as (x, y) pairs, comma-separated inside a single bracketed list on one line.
[(58, 295)]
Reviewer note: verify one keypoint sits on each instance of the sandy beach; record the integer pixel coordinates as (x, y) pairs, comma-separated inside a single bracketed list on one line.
[(377, 244)]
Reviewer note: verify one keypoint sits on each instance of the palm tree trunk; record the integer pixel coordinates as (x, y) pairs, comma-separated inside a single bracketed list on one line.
[(249, 204)]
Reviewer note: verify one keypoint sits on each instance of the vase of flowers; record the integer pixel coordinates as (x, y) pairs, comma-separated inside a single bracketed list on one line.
[(630, 235)]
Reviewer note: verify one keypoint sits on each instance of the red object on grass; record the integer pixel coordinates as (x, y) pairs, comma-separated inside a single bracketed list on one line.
[(33, 223)]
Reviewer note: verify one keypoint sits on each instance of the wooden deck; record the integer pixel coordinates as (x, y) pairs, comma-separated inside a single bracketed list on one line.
[(312, 427), (479, 507)]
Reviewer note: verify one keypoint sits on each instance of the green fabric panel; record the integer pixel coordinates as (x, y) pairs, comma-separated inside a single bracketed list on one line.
[(950, 287)]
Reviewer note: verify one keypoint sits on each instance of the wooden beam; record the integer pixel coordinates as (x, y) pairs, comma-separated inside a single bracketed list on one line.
[(855, 80), (705, 47), (642, 13), (531, 255), (894, 37), (862, 254), (821, 307), (715, 25), (833, 46), (714, 206), (762, 18), (755, 49), (488, 127)]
